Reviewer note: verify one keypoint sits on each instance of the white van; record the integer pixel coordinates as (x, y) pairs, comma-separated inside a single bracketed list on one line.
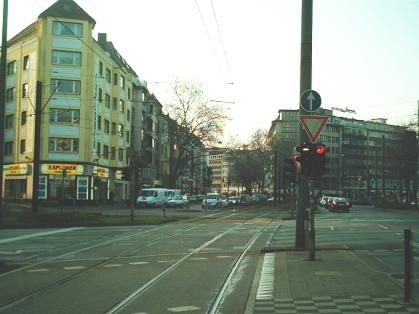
[(170, 193), (153, 197)]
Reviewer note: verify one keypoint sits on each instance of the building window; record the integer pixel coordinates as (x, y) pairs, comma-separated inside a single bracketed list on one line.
[(115, 79), (100, 68), (106, 126), (128, 115), (25, 62), (9, 121), (25, 90), (8, 148), (107, 101), (114, 103), (67, 29), (22, 146), (121, 106), (108, 75), (23, 118), (121, 130), (129, 93), (10, 94), (128, 137), (122, 81), (113, 128), (121, 154), (60, 115), (98, 149), (113, 153), (100, 95), (11, 68), (62, 57), (106, 151), (66, 86), (99, 122), (57, 144)]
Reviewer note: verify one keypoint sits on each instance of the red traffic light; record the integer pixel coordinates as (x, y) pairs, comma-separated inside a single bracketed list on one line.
[(320, 150)]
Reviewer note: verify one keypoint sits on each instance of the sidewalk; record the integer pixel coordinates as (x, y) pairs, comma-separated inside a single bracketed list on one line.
[(338, 281)]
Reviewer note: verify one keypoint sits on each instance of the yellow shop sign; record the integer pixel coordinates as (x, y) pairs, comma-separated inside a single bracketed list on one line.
[(15, 169), (70, 169)]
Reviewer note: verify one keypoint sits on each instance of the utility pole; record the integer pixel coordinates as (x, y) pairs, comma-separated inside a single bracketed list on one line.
[(3, 98), (37, 147), (305, 84), (383, 185)]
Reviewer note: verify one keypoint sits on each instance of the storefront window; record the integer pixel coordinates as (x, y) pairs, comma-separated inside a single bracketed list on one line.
[(82, 188), (42, 188)]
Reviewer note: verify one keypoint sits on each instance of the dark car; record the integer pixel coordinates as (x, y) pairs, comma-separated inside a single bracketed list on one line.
[(337, 204)]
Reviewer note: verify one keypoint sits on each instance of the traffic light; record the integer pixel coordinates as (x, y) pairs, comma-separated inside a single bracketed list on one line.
[(312, 159), (290, 172)]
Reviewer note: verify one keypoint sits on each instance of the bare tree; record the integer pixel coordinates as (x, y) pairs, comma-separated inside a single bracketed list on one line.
[(196, 122)]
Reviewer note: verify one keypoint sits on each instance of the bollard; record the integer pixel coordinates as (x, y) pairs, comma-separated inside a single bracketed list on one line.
[(407, 264)]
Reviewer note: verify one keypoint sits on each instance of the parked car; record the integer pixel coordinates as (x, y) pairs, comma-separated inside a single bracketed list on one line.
[(323, 201), (153, 197), (233, 200), (178, 201), (259, 197), (338, 203), (212, 200)]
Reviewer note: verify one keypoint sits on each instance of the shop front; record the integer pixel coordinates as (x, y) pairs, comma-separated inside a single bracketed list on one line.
[(15, 181), (100, 184)]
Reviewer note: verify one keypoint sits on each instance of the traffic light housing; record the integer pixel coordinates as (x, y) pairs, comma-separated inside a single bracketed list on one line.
[(290, 172), (312, 159)]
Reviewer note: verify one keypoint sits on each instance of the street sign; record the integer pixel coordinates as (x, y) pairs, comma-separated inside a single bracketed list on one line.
[(313, 125), (310, 100)]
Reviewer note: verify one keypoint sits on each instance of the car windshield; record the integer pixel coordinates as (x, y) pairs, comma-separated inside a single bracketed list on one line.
[(178, 197), (147, 193), (212, 197)]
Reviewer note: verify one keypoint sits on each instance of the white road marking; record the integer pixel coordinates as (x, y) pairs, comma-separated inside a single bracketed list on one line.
[(384, 227), (112, 265), (38, 234), (16, 252), (138, 263), (332, 228), (166, 261), (37, 270), (266, 283), (199, 258), (224, 256), (74, 267), (183, 309), (399, 234)]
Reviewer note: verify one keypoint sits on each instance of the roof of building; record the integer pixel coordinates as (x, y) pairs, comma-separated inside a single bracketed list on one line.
[(32, 28), (67, 9)]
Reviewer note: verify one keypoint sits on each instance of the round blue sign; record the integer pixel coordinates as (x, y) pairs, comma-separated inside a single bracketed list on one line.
[(310, 100)]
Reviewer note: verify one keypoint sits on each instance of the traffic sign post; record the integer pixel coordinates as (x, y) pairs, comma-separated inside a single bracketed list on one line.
[(313, 125), (310, 100)]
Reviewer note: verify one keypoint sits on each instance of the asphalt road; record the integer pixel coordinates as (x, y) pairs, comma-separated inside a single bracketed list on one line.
[(201, 265)]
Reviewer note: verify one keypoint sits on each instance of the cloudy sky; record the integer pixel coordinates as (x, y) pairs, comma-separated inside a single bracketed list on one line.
[(365, 52)]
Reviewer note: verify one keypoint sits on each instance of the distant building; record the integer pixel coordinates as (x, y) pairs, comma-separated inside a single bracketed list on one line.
[(365, 157)]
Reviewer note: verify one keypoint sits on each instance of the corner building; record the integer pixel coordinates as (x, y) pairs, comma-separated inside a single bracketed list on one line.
[(86, 110)]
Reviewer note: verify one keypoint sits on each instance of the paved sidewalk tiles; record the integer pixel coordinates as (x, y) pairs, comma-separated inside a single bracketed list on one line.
[(333, 305)]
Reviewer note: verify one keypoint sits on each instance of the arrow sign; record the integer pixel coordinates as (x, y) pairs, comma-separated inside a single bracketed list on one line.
[(310, 100), (313, 125)]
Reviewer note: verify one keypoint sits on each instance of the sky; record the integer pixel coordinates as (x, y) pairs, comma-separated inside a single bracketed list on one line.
[(246, 53)]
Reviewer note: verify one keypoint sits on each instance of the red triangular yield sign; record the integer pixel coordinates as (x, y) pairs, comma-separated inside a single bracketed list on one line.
[(313, 125)]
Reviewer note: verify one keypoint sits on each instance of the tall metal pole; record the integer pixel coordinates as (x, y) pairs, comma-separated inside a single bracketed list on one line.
[(3, 97), (37, 147), (305, 84)]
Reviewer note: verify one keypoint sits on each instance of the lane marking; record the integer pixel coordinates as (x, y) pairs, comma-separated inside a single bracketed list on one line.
[(138, 263), (74, 267), (332, 228), (37, 270), (112, 265), (384, 227), (183, 309), (266, 282), (223, 256), (199, 258), (38, 234)]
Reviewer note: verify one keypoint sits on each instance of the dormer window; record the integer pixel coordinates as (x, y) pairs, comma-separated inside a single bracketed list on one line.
[(67, 29)]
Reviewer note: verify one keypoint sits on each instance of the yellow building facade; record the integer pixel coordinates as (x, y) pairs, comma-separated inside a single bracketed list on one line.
[(86, 110)]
